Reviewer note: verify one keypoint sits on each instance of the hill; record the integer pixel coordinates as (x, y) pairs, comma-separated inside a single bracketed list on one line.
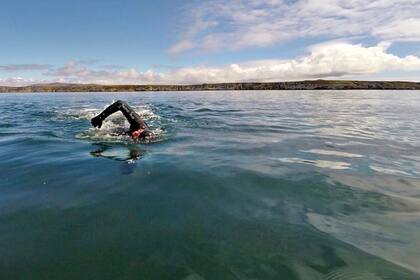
[(300, 85)]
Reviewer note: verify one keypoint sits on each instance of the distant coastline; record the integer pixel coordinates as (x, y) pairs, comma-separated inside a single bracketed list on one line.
[(299, 85)]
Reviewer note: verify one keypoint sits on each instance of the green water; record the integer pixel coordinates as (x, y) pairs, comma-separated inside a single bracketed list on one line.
[(238, 185)]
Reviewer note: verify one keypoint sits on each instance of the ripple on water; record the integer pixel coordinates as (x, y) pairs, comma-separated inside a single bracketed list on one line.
[(333, 153), (338, 165), (387, 170), (391, 236), (351, 274)]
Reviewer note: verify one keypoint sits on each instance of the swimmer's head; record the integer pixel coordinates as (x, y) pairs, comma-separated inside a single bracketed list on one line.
[(136, 134), (142, 134)]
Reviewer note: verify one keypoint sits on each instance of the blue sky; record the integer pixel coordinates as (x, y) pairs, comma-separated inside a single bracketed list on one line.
[(104, 41)]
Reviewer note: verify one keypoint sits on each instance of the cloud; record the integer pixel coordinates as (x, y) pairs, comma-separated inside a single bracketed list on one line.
[(74, 72), (401, 30), (328, 60), (333, 60), (181, 46), (219, 25), (24, 67), (200, 24), (17, 81)]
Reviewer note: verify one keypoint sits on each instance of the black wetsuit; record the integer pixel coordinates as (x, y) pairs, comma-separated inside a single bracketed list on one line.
[(136, 122)]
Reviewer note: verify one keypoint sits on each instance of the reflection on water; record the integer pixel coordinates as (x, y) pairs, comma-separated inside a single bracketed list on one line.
[(332, 153), (127, 154), (238, 185), (105, 150), (319, 163)]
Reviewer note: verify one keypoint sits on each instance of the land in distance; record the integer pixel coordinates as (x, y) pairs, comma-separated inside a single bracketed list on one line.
[(298, 85)]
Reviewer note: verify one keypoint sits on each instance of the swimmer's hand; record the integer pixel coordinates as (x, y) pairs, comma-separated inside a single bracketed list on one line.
[(96, 122)]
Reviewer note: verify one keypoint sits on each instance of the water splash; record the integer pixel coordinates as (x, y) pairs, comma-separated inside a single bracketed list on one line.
[(114, 128)]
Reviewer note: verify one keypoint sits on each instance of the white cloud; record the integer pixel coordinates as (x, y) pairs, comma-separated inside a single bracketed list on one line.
[(16, 81), (201, 24), (181, 46), (74, 72), (234, 24), (328, 60), (401, 30)]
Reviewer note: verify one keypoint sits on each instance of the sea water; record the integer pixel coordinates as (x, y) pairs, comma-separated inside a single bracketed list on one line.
[(236, 185)]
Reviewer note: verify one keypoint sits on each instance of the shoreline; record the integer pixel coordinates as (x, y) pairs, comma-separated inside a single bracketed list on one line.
[(298, 85)]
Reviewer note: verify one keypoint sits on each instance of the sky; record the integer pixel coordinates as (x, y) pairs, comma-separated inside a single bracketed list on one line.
[(189, 41)]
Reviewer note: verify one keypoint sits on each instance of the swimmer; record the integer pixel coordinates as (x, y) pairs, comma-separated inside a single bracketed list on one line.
[(138, 128)]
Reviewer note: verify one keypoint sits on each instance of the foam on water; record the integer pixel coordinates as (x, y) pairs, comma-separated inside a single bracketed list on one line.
[(114, 128)]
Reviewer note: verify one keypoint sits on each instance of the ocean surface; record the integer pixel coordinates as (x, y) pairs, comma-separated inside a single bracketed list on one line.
[(237, 185)]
